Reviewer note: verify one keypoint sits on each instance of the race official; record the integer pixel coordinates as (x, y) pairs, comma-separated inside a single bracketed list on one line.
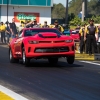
[(2, 30), (92, 32), (45, 25), (59, 27), (82, 42)]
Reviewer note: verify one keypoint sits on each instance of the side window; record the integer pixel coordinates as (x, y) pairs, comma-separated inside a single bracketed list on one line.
[(20, 34)]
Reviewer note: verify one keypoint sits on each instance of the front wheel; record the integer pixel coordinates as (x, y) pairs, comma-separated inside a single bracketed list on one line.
[(53, 60), (25, 60), (11, 58), (70, 59)]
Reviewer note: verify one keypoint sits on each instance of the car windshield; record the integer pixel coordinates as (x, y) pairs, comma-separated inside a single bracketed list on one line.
[(74, 32), (31, 32)]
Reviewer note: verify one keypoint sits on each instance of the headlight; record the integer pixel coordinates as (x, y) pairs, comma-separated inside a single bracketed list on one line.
[(33, 42), (68, 41)]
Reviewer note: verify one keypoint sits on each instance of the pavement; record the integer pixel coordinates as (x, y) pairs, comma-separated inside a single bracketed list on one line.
[(41, 81)]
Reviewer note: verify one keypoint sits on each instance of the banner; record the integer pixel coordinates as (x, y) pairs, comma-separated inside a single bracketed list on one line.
[(26, 16)]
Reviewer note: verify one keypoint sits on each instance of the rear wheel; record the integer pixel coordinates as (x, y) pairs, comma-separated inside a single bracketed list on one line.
[(11, 58), (53, 60), (70, 59), (25, 60)]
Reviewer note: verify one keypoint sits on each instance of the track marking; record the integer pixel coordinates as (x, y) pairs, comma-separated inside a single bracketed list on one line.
[(5, 46), (12, 94), (90, 62), (3, 96)]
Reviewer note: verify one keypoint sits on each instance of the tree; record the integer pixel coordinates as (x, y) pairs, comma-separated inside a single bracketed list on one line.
[(58, 11), (75, 6)]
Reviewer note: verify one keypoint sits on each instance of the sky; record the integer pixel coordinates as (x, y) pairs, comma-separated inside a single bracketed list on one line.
[(60, 1)]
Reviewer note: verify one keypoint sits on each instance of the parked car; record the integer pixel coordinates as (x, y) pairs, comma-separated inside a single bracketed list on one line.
[(75, 35)]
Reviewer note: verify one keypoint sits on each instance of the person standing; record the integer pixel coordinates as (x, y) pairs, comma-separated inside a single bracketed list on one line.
[(99, 29), (82, 42), (92, 32), (2, 30), (13, 29), (32, 24), (8, 32), (57, 26), (45, 25)]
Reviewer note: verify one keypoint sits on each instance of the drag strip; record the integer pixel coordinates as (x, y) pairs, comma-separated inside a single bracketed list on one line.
[(41, 81)]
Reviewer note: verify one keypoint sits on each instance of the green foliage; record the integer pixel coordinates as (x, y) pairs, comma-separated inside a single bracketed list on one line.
[(93, 7), (96, 19), (75, 6), (58, 11), (75, 21)]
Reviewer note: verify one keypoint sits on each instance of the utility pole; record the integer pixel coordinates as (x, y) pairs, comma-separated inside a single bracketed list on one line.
[(7, 10), (86, 8), (66, 16), (83, 10)]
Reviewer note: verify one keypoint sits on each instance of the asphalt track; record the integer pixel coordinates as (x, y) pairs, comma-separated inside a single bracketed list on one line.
[(41, 81)]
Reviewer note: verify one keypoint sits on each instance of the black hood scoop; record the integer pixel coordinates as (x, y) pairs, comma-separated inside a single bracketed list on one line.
[(57, 36)]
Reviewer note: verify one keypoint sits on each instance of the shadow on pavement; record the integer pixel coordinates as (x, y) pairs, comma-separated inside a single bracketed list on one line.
[(46, 64)]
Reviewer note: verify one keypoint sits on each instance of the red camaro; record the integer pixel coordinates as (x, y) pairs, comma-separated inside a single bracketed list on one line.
[(41, 43)]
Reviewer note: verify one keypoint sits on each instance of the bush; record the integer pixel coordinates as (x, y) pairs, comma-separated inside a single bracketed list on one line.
[(77, 20)]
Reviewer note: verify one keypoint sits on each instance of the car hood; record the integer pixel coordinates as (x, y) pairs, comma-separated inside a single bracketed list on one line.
[(48, 36), (75, 36)]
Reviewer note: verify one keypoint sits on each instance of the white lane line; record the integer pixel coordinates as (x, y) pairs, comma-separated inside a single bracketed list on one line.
[(90, 62), (5, 46), (12, 94)]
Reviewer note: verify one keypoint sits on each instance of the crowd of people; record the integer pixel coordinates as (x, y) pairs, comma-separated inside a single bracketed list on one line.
[(89, 34), (10, 30)]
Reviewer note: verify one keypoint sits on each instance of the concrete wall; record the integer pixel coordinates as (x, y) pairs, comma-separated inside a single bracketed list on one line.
[(45, 12)]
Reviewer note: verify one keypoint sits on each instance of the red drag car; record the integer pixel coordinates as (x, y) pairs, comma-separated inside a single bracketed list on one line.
[(75, 35), (41, 43)]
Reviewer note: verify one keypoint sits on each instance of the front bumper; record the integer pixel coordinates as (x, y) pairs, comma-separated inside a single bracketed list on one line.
[(46, 50)]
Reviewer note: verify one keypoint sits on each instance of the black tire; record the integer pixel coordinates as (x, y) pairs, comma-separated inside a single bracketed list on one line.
[(53, 60), (25, 60), (11, 58), (70, 59)]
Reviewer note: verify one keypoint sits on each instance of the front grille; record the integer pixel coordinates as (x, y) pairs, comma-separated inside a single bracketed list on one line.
[(52, 41), (59, 41), (51, 50), (44, 41)]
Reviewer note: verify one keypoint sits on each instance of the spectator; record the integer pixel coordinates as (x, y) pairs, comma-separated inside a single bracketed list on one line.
[(45, 25), (13, 29), (59, 27), (8, 32), (82, 42), (33, 24), (2, 30), (99, 30)]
